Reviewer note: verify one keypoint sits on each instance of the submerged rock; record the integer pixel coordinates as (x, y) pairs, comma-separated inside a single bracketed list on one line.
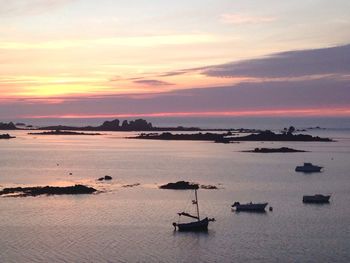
[(48, 190), (180, 185)]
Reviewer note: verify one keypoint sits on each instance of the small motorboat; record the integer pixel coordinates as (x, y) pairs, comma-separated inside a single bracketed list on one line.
[(199, 225), (308, 168), (250, 207), (316, 199)]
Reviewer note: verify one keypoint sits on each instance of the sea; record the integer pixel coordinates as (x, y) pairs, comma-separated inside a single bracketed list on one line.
[(134, 224)]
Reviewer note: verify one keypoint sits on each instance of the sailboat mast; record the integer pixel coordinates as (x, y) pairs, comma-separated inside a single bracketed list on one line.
[(195, 192)]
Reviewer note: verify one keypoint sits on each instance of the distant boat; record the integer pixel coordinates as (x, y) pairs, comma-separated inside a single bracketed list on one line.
[(308, 168), (199, 225), (250, 207), (316, 199)]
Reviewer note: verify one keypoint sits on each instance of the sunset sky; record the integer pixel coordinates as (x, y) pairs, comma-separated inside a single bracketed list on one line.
[(114, 58)]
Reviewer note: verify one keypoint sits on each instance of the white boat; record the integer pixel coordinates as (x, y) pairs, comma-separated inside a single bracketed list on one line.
[(250, 207), (308, 168), (199, 225), (316, 199)]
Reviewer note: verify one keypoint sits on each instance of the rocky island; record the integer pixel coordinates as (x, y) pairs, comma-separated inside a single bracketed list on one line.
[(274, 150), (47, 190), (180, 185), (117, 125), (181, 137), (105, 178), (6, 136), (59, 132), (271, 136), (228, 138), (7, 126), (137, 125), (183, 185)]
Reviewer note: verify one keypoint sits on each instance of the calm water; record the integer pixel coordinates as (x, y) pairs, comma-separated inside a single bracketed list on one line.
[(134, 224)]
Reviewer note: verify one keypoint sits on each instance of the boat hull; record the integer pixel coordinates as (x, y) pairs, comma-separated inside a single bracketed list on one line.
[(316, 199), (308, 170), (196, 226), (250, 207)]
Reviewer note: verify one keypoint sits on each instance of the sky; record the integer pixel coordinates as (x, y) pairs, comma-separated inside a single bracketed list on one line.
[(114, 58)]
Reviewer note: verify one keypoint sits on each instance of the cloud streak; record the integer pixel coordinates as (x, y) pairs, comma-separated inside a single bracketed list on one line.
[(239, 19), (129, 41), (152, 82), (333, 60)]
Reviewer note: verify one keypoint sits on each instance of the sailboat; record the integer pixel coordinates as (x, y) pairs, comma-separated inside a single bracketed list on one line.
[(199, 225)]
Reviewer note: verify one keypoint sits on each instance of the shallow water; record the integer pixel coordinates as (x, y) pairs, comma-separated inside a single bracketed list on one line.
[(134, 224)]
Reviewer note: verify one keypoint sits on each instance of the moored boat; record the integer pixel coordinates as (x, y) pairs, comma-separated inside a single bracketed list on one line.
[(316, 199), (308, 168), (250, 207), (199, 225)]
